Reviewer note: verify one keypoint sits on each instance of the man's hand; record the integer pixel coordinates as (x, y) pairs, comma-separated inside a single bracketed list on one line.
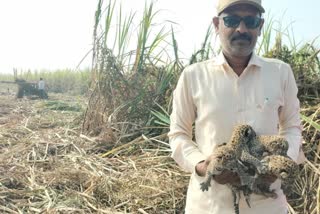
[(201, 168), (225, 177)]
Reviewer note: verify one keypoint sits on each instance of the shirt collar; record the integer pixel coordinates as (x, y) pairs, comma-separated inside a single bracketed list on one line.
[(254, 60)]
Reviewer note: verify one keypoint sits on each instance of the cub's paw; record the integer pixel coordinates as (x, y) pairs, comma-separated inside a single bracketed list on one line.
[(204, 186)]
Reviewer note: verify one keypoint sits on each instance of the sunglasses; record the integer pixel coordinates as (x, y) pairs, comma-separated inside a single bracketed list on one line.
[(233, 21)]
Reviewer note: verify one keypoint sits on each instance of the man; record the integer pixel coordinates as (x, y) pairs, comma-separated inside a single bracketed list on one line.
[(236, 87), (41, 87)]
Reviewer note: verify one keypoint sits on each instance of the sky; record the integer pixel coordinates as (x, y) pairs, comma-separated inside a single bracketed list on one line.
[(57, 34)]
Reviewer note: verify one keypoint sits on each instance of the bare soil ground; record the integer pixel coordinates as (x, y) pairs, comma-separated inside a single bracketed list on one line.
[(48, 166)]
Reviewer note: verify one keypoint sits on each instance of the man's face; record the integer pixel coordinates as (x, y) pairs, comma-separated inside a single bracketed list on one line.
[(239, 40)]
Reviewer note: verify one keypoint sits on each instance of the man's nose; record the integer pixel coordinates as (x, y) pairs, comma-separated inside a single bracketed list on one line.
[(242, 28)]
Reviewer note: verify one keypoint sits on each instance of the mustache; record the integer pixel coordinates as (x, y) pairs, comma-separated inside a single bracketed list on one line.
[(241, 36)]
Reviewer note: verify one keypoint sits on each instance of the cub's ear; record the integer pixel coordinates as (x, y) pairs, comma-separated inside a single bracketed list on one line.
[(284, 174), (250, 132), (247, 132)]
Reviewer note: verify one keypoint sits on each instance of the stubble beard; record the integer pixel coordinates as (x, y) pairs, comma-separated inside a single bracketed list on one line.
[(240, 48)]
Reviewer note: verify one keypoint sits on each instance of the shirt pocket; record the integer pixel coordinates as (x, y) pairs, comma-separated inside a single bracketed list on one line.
[(267, 116)]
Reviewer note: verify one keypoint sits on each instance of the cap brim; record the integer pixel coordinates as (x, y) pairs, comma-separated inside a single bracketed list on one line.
[(258, 6)]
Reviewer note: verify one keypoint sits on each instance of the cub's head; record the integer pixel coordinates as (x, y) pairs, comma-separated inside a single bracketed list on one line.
[(225, 157), (243, 133)]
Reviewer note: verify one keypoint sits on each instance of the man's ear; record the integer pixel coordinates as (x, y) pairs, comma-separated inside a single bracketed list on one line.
[(215, 21), (261, 25)]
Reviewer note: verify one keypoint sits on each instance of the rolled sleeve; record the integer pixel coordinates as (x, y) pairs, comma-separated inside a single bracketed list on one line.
[(290, 123)]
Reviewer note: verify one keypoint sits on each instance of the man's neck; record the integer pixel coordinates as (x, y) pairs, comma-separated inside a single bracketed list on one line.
[(238, 64)]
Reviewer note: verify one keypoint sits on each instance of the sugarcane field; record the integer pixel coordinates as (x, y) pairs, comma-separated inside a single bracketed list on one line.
[(95, 139)]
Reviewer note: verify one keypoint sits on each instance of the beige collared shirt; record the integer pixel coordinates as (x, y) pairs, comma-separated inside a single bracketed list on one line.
[(210, 95)]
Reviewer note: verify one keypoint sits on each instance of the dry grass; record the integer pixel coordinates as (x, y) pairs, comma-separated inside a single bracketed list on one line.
[(306, 197), (47, 166)]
